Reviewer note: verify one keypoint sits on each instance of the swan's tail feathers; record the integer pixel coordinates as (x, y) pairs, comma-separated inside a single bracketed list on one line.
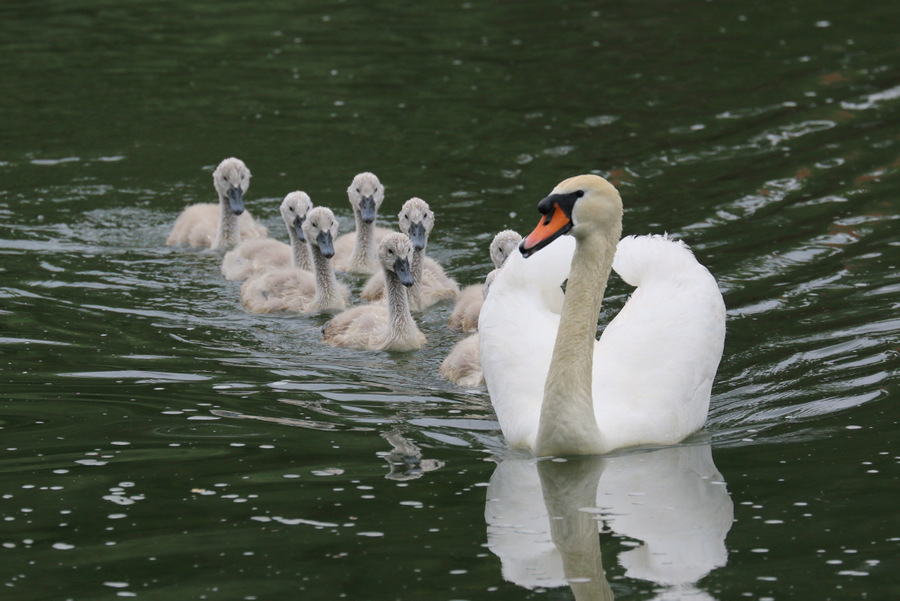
[(641, 259)]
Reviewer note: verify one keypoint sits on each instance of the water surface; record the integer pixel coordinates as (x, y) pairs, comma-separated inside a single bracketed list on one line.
[(159, 442)]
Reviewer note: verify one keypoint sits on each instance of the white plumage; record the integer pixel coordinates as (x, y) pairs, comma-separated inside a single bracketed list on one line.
[(651, 374)]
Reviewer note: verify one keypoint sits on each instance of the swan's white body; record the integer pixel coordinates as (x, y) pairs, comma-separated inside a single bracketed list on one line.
[(221, 225), (647, 380), (255, 255)]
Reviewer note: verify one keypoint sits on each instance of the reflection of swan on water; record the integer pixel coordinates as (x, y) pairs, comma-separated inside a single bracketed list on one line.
[(672, 501)]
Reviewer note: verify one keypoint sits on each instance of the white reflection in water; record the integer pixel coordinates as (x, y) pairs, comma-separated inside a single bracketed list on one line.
[(545, 519)]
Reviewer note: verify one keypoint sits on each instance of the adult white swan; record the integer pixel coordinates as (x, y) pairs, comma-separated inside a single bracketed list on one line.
[(647, 380)]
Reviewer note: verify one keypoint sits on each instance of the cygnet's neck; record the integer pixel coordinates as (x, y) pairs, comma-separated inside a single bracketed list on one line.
[(364, 249), (299, 251), (328, 296), (416, 269), (568, 424), (229, 233), (402, 330)]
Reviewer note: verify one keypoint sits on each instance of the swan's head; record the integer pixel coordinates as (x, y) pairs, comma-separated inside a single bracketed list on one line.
[(366, 194), (320, 229), (580, 205), (231, 179), (502, 245), (394, 254), (294, 208), (416, 221)]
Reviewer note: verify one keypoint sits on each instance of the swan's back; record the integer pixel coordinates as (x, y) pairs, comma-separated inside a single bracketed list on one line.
[(655, 362)]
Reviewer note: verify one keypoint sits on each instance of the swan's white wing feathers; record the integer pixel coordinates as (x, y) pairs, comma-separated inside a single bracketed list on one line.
[(655, 362), (517, 327)]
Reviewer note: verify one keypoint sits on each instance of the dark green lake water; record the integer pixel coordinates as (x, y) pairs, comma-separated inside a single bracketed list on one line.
[(158, 442)]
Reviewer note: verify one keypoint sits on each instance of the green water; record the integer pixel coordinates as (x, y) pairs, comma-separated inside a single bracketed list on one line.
[(159, 442)]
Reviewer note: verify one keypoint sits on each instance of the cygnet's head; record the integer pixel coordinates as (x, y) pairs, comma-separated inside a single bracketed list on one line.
[(366, 195), (394, 253), (580, 205), (294, 208), (416, 221), (231, 179), (502, 245), (320, 229)]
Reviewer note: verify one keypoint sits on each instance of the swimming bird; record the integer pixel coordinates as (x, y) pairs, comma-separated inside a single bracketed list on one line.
[(555, 388), (431, 284), (355, 252), (221, 225), (386, 327), (255, 255), (468, 304), (462, 365), (296, 290)]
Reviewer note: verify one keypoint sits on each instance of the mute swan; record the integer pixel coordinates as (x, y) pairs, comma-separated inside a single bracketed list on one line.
[(223, 225), (380, 327), (355, 253), (646, 381), (292, 289), (431, 285), (468, 304), (255, 255)]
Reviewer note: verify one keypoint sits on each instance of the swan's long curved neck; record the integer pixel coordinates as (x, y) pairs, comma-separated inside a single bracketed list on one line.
[(229, 234), (400, 321), (364, 249), (299, 252), (327, 293), (568, 424)]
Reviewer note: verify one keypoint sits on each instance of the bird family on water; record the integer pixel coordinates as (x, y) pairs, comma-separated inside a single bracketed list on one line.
[(556, 388)]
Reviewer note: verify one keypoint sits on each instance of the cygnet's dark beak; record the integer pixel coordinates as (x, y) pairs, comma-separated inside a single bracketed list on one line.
[(326, 244), (401, 268), (416, 235), (298, 227), (235, 197), (367, 209)]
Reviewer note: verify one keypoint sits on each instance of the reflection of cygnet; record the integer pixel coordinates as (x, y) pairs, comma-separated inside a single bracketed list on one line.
[(673, 501), (405, 458)]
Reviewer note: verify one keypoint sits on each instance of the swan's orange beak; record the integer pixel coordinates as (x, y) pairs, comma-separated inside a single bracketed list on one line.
[(552, 225)]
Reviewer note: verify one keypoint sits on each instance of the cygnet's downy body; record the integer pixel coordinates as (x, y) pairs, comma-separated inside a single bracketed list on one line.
[(295, 290), (222, 225), (389, 326), (432, 285), (256, 255), (356, 252)]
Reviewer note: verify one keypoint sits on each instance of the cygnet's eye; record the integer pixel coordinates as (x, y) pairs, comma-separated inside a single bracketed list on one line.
[(291, 209), (357, 191)]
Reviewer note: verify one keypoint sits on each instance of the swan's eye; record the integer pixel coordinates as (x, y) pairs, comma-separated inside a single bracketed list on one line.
[(291, 209), (579, 194), (357, 191)]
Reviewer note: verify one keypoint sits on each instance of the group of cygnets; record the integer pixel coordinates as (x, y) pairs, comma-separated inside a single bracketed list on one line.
[(300, 277)]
